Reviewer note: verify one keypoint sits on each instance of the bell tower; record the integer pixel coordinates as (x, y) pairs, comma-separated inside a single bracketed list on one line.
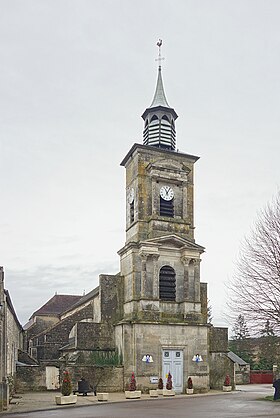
[(160, 260), (164, 302)]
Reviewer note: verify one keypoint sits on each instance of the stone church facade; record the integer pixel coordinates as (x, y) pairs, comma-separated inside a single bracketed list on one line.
[(154, 312)]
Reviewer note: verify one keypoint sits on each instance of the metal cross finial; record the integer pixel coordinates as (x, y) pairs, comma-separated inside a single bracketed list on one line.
[(160, 58)]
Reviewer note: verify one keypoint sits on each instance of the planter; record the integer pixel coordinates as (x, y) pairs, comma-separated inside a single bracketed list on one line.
[(167, 392), (102, 396), (159, 391), (65, 400), (153, 393), (132, 394), (189, 391), (227, 388)]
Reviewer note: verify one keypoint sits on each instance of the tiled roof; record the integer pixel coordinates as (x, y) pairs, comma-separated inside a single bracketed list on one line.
[(57, 304)]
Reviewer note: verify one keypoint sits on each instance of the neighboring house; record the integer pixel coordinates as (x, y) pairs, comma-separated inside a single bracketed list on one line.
[(11, 341), (153, 314), (241, 369)]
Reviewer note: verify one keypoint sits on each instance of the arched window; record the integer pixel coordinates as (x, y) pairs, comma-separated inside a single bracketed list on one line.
[(154, 118), (167, 283), (165, 118)]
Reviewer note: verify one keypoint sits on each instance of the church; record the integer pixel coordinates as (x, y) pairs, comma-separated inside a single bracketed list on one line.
[(153, 313)]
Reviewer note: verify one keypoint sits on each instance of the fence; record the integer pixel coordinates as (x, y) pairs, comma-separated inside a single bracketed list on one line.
[(261, 376)]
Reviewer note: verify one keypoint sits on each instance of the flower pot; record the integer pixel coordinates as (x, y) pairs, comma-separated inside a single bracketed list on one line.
[(189, 391), (104, 396), (153, 393), (65, 400), (132, 394), (168, 392), (227, 388)]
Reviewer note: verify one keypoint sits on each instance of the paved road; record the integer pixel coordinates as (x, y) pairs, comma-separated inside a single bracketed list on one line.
[(241, 404)]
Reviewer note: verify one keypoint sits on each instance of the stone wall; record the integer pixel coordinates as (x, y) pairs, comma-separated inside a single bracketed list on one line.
[(49, 342), (220, 366), (111, 297), (14, 342), (39, 325), (242, 374), (30, 378), (104, 378), (218, 340), (92, 336), (4, 396)]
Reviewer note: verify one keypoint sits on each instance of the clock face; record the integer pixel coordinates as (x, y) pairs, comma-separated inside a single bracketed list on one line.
[(166, 192), (130, 196)]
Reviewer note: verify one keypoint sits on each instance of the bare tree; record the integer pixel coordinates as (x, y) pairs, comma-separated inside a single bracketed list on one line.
[(255, 287)]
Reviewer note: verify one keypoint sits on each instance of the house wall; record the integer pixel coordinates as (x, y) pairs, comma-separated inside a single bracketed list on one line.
[(14, 342)]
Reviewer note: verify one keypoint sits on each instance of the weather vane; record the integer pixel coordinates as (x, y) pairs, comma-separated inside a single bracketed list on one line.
[(160, 58)]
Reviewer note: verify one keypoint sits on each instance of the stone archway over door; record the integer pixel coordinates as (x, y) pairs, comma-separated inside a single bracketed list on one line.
[(172, 361)]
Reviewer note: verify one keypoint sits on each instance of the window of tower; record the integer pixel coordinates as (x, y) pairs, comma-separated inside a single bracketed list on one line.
[(166, 208), (167, 283), (131, 211), (154, 119), (165, 118)]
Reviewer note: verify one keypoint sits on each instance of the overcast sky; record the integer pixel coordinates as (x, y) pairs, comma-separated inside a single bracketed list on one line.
[(75, 77)]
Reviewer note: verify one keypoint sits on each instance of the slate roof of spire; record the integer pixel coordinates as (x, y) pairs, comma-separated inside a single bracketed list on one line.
[(159, 96)]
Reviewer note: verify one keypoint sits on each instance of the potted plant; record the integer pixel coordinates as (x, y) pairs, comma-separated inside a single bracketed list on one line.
[(132, 393), (160, 386), (227, 385), (168, 391), (66, 396), (189, 386)]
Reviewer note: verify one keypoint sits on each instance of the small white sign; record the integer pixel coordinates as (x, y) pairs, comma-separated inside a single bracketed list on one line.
[(153, 379)]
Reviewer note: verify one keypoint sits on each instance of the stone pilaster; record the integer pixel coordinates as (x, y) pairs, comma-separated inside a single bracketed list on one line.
[(144, 258), (197, 280)]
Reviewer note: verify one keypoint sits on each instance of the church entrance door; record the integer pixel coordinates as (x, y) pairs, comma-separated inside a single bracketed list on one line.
[(172, 362)]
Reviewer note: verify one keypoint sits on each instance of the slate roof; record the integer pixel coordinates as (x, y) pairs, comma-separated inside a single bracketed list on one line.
[(236, 359), (159, 96), (83, 299), (57, 304)]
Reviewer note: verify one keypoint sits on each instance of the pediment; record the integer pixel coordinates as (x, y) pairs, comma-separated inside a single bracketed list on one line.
[(168, 164), (176, 242)]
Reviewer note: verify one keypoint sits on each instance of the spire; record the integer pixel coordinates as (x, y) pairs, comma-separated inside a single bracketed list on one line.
[(159, 96), (159, 118)]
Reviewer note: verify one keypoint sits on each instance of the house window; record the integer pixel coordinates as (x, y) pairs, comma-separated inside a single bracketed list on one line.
[(167, 283)]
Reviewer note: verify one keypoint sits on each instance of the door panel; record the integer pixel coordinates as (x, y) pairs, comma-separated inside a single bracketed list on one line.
[(172, 362)]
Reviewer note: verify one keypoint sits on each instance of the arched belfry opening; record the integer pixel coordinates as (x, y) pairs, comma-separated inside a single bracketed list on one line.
[(167, 283)]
